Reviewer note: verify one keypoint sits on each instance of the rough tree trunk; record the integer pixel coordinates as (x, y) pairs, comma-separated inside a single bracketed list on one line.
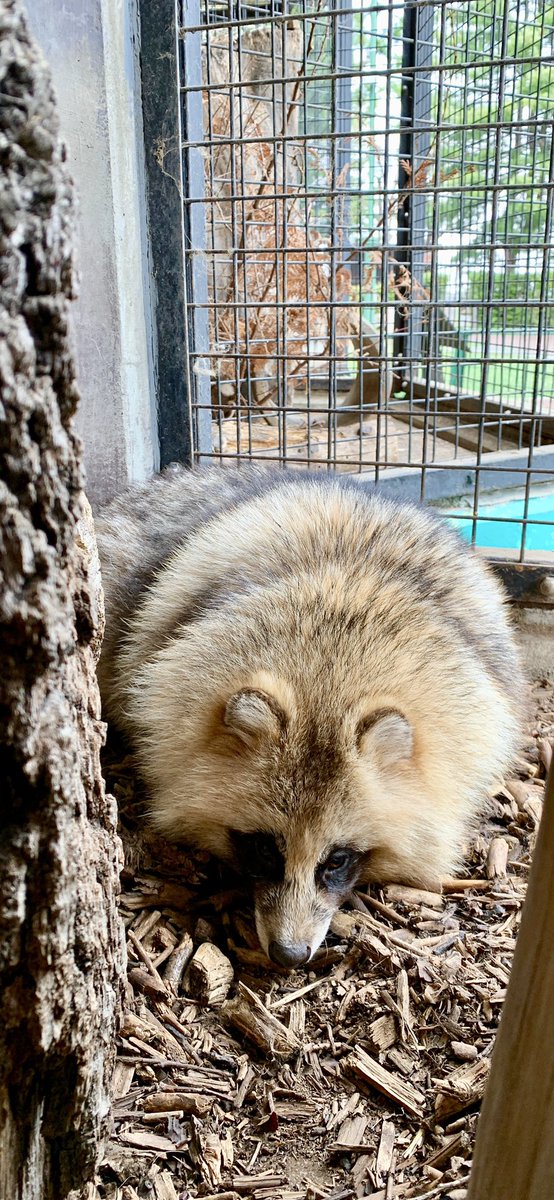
[(60, 943)]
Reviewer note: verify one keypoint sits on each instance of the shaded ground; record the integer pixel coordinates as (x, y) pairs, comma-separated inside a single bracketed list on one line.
[(362, 1077)]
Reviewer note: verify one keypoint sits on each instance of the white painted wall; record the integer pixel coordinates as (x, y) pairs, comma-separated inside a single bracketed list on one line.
[(92, 49)]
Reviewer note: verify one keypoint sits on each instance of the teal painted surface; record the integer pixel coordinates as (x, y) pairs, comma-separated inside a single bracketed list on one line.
[(503, 524)]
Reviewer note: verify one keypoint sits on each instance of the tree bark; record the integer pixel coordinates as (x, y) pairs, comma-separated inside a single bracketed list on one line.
[(61, 955)]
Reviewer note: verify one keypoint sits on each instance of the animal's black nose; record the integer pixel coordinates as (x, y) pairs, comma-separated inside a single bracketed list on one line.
[(288, 956)]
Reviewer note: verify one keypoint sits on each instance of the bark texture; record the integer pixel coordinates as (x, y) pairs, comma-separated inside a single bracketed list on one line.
[(61, 955)]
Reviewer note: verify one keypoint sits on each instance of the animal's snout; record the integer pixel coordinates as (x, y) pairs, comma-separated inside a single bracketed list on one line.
[(286, 955)]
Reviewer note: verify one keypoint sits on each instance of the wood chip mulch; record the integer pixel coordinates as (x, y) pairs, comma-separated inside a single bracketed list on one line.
[(361, 1077)]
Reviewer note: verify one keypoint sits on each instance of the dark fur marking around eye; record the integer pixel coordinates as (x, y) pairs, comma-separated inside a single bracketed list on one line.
[(340, 870), (258, 856)]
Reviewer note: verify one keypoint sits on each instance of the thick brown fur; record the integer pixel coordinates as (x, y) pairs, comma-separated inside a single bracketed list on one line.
[(297, 656)]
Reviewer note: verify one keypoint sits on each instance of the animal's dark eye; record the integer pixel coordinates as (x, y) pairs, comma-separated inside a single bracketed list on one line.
[(340, 869), (337, 860), (258, 856)]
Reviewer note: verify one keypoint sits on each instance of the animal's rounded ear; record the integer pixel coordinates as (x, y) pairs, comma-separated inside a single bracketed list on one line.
[(254, 716), (386, 737)]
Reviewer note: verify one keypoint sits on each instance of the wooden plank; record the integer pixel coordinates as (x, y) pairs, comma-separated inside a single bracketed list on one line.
[(514, 1153)]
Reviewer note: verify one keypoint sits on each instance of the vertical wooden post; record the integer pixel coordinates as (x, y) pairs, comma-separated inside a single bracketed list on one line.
[(514, 1154)]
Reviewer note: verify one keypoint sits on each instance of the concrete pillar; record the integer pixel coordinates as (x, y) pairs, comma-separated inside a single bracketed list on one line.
[(92, 48)]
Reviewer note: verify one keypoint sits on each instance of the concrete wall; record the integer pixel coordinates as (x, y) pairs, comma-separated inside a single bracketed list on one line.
[(92, 49)]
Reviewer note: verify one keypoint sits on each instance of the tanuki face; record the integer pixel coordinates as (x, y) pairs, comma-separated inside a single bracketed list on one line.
[(309, 813)]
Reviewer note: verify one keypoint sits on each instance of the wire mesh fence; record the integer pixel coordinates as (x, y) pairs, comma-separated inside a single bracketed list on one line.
[(368, 195)]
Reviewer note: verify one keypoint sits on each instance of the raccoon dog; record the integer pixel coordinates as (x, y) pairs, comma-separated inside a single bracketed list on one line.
[(319, 682)]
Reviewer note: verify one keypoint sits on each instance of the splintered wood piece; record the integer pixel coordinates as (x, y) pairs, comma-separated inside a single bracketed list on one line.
[(458, 1144), (386, 1151), (390, 913), (210, 975), (122, 1079), (351, 1132), (403, 1001), (461, 1089), (382, 1033), (177, 962), (143, 1140), (145, 957), (297, 1018), (545, 753), (521, 792), (252, 1183), (414, 896), (497, 858), (186, 1102), (162, 1186), (248, 1014), (359, 1063), (222, 1196), (449, 884), (373, 947), (147, 1028), (211, 1159), (143, 981), (533, 808), (359, 1175)]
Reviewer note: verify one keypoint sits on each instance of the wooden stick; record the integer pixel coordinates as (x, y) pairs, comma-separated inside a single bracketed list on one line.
[(514, 1154)]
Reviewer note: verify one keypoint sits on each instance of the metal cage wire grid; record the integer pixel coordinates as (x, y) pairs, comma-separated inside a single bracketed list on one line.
[(367, 215)]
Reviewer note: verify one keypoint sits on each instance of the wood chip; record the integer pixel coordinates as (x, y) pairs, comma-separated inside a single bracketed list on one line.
[(143, 1140), (177, 963), (210, 975), (352, 1130), (163, 1187), (465, 1050), (143, 981), (382, 1033), (185, 1102), (450, 884), (144, 955), (497, 858), (386, 911), (457, 1144), (414, 896), (248, 1014), (545, 753), (122, 1079), (464, 1087), (251, 1183), (385, 1152), (521, 792), (147, 1028), (360, 1064)]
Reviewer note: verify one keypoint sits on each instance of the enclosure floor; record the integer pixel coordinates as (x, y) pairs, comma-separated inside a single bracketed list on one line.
[(415, 980), (387, 441)]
